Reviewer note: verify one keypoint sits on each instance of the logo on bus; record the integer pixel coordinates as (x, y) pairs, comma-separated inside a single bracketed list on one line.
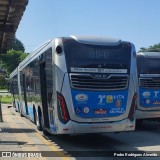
[(101, 98), (146, 94), (156, 93), (156, 102), (118, 103), (117, 110), (81, 97), (86, 110), (109, 99), (146, 101)]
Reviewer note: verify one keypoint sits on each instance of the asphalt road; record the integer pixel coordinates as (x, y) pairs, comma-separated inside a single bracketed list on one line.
[(145, 138)]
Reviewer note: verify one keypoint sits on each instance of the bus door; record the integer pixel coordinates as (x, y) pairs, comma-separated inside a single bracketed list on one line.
[(24, 92), (44, 94), (49, 87)]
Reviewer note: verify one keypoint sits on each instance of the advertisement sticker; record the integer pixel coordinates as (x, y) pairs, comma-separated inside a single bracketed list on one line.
[(99, 104)]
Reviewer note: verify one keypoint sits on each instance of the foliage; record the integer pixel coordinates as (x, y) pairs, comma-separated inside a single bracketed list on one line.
[(154, 48), (17, 45), (3, 81), (13, 57), (6, 99), (11, 60)]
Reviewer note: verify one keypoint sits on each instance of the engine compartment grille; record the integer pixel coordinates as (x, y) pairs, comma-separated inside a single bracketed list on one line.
[(88, 82), (149, 82)]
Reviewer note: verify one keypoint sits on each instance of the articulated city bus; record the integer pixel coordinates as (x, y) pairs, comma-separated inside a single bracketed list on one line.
[(148, 66), (73, 85)]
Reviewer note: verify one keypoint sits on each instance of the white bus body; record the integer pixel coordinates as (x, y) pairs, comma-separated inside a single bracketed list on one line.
[(148, 102), (75, 85)]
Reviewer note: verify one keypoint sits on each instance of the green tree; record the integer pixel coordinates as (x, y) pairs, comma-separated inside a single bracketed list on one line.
[(154, 48), (3, 81), (12, 59), (17, 45)]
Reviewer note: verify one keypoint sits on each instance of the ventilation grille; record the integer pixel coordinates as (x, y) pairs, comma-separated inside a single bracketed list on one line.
[(149, 82), (87, 82)]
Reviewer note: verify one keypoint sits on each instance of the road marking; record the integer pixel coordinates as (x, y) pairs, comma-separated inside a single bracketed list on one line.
[(49, 144)]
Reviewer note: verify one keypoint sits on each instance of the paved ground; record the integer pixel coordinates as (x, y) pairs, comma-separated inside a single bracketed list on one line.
[(19, 134)]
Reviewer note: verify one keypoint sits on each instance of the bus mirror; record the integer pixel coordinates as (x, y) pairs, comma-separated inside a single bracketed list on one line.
[(59, 50)]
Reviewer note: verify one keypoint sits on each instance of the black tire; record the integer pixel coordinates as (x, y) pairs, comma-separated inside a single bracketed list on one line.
[(16, 109), (13, 104), (139, 122), (45, 132), (35, 115), (39, 127), (20, 111)]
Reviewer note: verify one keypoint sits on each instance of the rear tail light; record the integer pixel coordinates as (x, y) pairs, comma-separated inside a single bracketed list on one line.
[(63, 113), (133, 107)]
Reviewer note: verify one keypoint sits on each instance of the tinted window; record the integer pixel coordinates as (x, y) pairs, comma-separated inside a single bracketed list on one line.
[(148, 65), (95, 56)]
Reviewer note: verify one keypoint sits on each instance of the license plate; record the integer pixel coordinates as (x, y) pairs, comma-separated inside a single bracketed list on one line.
[(100, 111)]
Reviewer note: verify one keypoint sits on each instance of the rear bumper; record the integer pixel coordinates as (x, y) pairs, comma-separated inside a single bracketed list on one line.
[(140, 114), (80, 128)]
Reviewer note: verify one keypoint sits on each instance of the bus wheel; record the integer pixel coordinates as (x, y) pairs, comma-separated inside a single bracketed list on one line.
[(16, 108), (139, 122), (38, 122), (45, 132), (13, 104), (20, 111), (35, 116), (43, 128)]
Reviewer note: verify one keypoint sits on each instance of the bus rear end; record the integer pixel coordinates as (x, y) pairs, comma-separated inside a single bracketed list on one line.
[(148, 65), (96, 90)]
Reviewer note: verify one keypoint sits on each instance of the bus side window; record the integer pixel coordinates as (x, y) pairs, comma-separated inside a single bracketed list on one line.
[(50, 99), (49, 77)]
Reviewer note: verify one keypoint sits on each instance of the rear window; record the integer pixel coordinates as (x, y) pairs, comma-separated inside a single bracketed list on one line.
[(95, 56)]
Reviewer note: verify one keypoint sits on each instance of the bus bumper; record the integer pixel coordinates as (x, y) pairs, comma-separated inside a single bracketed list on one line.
[(140, 114), (80, 128)]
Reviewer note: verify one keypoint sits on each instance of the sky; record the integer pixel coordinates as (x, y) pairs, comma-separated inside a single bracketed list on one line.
[(136, 21)]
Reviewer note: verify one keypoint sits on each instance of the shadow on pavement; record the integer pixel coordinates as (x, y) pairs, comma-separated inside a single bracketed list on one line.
[(18, 130), (12, 143)]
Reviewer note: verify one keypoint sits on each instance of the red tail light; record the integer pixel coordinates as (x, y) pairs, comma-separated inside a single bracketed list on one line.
[(133, 107), (63, 113)]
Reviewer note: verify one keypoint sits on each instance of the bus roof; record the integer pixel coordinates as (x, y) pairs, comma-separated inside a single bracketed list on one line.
[(13, 73), (31, 55), (149, 54), (95, 40)]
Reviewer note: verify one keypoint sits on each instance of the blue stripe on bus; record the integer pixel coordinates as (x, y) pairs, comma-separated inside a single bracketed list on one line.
[(52, 128), (30, 111)]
